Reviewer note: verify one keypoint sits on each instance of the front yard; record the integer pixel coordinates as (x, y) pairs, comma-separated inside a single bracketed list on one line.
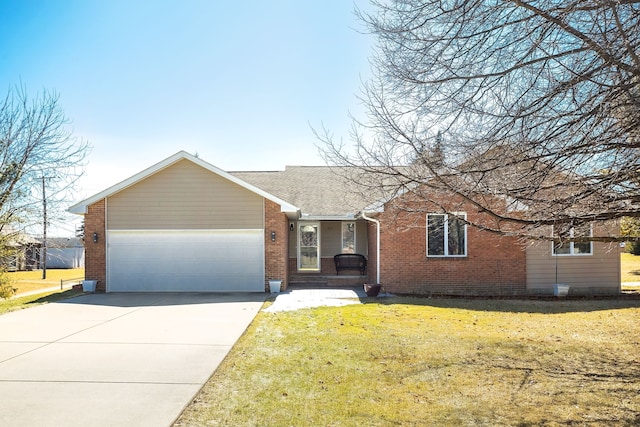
[(27, 281), (44, 291), (415, 362), (630, 267)]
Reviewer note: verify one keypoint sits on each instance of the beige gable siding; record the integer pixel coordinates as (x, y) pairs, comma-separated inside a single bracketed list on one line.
[(598, 273), (184, 196)]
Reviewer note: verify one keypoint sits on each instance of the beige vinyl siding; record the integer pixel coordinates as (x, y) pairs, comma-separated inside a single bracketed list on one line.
[(331, 233), (293, 240), (598, 273), (362, 243), (184, 196), (332, 238)]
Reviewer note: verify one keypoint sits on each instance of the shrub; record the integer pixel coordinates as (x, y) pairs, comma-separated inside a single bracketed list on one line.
[(630, 227), (6, 285), (632, 248)]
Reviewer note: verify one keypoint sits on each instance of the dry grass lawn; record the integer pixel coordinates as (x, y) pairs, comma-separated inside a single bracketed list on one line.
[(417, 362), (630, 267), (26, 281)]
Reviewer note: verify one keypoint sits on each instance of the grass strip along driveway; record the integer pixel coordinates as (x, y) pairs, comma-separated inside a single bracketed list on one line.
[(29, 281), (416, 362), (20, 303)]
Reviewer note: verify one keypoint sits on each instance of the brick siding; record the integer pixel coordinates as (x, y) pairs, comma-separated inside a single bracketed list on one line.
[(494, 265), (275, 253), (96, 253)]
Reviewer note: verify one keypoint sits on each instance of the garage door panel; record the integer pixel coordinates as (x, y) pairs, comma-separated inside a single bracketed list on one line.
[(210, 260)]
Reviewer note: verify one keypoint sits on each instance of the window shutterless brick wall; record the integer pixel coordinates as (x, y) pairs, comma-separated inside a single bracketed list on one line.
[(96, 252), (275, 253), (494, 265)]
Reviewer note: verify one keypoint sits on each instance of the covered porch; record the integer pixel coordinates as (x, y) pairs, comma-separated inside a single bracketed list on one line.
[(313, 243)]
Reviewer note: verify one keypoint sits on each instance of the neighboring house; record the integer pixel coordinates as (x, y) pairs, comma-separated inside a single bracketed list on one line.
[(24, 253), (185, 225), (63, 252)]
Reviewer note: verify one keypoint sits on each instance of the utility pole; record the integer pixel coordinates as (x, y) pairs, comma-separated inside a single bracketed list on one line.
[(43, 252)]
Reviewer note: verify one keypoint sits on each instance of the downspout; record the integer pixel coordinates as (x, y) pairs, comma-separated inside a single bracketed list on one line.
[(377, 223)]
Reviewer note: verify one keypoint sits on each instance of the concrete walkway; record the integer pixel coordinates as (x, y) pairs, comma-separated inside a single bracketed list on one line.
[(296, 299), (115, 359)]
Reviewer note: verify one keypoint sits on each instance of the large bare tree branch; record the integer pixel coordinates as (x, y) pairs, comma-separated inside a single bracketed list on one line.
[(35, 143), (536, 105)]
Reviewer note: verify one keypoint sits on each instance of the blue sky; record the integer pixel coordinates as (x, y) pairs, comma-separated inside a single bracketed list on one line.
[(238, 82)]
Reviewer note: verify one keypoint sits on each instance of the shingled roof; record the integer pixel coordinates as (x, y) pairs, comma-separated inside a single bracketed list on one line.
[(320, 191)]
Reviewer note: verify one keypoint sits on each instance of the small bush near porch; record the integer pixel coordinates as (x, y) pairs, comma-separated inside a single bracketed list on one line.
[(415, 362)]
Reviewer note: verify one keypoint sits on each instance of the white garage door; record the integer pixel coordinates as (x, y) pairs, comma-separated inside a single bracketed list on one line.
[(188, 261)]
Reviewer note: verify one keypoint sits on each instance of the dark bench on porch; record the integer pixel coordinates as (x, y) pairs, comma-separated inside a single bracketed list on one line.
[(350, 262)]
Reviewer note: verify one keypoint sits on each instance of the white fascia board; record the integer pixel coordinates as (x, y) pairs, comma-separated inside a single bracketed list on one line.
[(349, 217), (81, 207)]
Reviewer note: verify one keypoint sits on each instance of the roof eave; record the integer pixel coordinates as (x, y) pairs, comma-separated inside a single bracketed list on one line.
[(377, 207), (345, 217)]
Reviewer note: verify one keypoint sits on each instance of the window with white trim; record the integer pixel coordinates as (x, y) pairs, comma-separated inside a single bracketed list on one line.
[(447, 235), (563, 247), (348, 237)]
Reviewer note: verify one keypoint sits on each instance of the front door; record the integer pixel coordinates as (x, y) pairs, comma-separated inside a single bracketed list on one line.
[(309, 246)]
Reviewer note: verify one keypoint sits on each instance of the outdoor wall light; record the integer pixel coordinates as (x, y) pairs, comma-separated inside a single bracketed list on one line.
[(290, 226), (95, 237), (273, 236)]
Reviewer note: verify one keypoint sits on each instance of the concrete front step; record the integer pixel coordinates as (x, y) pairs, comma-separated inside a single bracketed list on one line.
[(322, 281)]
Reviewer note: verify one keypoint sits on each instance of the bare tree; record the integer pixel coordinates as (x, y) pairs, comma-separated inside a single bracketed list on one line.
[(534, 104), (38, 153)]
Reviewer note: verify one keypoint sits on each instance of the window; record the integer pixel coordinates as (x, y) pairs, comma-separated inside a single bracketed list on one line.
[(447, 235), (573, 248), (348, 237)]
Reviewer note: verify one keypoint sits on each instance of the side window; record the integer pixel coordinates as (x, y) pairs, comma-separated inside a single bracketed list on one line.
[(446, 235), (348, 237), (572, 248)]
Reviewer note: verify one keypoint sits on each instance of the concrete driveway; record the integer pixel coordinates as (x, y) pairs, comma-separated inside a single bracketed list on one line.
[(115, 359)]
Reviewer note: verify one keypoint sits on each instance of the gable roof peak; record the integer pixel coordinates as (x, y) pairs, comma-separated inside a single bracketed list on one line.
[(81, 207)]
